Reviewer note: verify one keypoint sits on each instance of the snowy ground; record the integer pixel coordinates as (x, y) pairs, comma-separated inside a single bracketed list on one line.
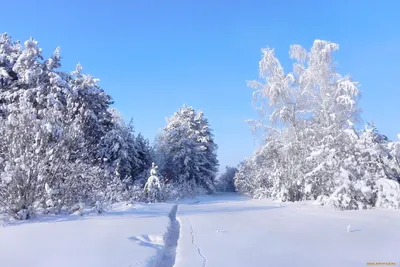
[(73, 241), (235, 231), (223, 230)]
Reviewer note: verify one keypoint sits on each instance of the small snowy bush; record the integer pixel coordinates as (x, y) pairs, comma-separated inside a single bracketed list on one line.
[(153, 187)]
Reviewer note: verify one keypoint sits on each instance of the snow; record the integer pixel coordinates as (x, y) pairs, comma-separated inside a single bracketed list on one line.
[(94, 240), (235, 231), (388, 193), (4, 73), (221, 230)]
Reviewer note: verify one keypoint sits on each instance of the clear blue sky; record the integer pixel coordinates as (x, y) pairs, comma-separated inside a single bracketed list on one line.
[(154, 56)]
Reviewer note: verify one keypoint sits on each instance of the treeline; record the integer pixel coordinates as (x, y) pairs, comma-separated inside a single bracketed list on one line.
[(63, 148)]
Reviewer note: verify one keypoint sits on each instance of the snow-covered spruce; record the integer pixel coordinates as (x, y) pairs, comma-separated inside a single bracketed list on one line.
[(311, 149), (153, 186), (187, 152)]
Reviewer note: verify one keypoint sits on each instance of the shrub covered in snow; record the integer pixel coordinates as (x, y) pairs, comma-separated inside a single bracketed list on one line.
[(153, 186)]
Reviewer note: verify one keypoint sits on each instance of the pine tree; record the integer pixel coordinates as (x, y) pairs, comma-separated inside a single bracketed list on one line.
[(188, 150), (89, 104), (119, 147), (145, 157), (152, 188)]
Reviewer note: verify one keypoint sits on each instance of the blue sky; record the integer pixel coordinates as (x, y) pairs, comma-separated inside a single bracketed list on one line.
[(154, 56)]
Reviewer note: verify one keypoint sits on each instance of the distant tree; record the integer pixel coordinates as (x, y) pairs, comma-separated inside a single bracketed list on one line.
[(188, 151), (226, 182), (145, 156)]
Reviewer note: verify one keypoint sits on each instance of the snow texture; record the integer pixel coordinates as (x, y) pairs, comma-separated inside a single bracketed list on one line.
[(388, 194), (231, 230), (221, 230), (106, 240)]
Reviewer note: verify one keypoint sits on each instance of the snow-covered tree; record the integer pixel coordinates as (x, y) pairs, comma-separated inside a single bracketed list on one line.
[(36, 169), (52, 130), (145, 157), (226, 182), (188, 150), (89, 104), (119, 150), (311, 148), (153, 187)]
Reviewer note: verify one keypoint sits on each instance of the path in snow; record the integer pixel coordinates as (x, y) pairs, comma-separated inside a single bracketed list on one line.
[(216, 231), (167, 256), (165, 246)]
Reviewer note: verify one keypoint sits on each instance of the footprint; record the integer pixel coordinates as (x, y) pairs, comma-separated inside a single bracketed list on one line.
[(153, 241)]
